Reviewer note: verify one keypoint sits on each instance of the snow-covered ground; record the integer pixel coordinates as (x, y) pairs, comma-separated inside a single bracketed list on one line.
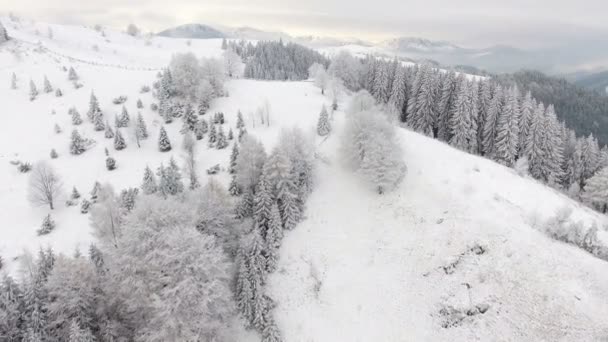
[(360, 267)]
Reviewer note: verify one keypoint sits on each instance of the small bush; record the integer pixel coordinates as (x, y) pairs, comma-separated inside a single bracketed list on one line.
[(154, 107), (144, 89), (24, 167), (214, 169), (54, 154), (85, 206), (119, 100), (110, 163)]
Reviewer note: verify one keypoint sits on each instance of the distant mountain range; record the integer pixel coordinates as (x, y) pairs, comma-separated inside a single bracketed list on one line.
[(592, 80), (494, 59)]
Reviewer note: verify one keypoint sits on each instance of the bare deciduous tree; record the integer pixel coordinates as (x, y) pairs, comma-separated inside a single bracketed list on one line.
[(44, 185)]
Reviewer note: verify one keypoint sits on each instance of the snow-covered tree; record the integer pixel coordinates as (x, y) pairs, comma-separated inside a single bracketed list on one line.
[(33, 91), (233, 65), (77, 143), (13, 80), (323, 125), (525, 122), (318, 73), (186, 74), (72, 75), (273, 238), (58, 93), (3, 35), (44, 185), (110, 163), (119, 141), (149, 185), (123, 119), (491, 122), (370, 147), (164, 144), (447, 102), (141, 130), (463, 119), (240, 123), (212, 134), (47, 85), (170, 179), (507, 130), (249, 162), (399, 94), (132, 30), (94, 109), (76, 119), (109, 132), (421, 108), (595, 191), (347, 68), (48, 225), (190, 118)]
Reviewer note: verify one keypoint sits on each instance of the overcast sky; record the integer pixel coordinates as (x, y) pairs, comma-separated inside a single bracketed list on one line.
[(474, 23)]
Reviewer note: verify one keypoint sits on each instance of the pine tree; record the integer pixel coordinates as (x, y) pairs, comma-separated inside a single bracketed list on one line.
[(190, 118), (58, 93), (262, 204), (507, 130), (33, 91), (422, 117), (554, 148), (224, 44), (233, 188), (109, 132), (98, 121), (54, 154), (119, 141), (78, 334), (230, 134), (595, 191), (212, 135), (141, 130), (110, 163), (123, 119), (72, 76), (149, 185), (75, 194), (525, 122), (170, 179), (273, 237), (77, 143), (47, 85), (14, 81), (323, 126), (76, 119), (222, 143), (47, 225), (164, 144), (233, 155), (380, 87), (398, 98), (449, 93), (463, 118), (240, 123), (200, 129), (244, 207), (491, 121), (244, 294), (140, 105), (93, 108)]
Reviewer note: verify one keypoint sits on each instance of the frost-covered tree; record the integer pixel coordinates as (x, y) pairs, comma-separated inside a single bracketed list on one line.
[(318, 73), (170, 179), (186, 74), (370, 147), (98, 122), (123, 119), (347, 68), (463, 124), (240, 123), (323, 125), (190, 118), (177, 285), (72, 75), (421, 108), (507, 130), (233, 65), (13, 81), (33, 91), (109, 132), (249, 163), (3, 35), (212, 134), (119, 141), (132, 30), (273, 238), (447, 101), (11, 309), (141, 130), (525, 122), (94, 109), (54, 154), (222, 142), (47, 85), (44, 185), (399, 94), (164, 145), (77, 143), (76, 119), (149, 185), (58, 93), (491, 121), (48, 225), (110, 163), (595, 191)]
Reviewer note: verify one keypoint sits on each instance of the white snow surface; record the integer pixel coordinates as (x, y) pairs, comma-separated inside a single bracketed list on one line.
[(360, 266)]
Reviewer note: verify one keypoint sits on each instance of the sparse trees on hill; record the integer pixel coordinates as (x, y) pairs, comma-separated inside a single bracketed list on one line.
[(44, 185)]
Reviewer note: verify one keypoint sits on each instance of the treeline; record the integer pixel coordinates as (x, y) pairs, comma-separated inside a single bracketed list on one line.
[(277, 60), (585, 111), (479, 116)]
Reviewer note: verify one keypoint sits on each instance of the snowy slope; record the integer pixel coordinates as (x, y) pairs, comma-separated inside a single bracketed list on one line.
[(360, 267)]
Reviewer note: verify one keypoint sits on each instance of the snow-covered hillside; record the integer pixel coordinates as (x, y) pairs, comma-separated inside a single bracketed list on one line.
[(460, 231)]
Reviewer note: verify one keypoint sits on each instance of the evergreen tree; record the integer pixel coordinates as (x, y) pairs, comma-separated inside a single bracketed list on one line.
[(422, 116), (47, 225), (244, 207), (525, 122), (109, 132), (54, 154), (240, 123), (233, 187), (491, 121), (262, 204), (233, 155), (14, 81), (110, 163), (212, 135), (149, 185), (554, 148), (190, 118), (47, 85), (94, 109), (85, 206), (58, 92), (323, 126), (77, 334), (141, 130), (33, 91), (449, 92), (507, 130), (273, 237), (463, 118), (140, 105), (98, 122), (398, 98), (595, 191), (170, 179), (76, 119), (72, 75), (222, 143), (119, 141), (11, 310), (230, 134), (164, 144), (123, 119), (380, 87), (200, 129), (77, 144)]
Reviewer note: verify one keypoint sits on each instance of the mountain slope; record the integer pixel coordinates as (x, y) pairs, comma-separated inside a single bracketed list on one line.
[(192, 31), (360, 258)]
